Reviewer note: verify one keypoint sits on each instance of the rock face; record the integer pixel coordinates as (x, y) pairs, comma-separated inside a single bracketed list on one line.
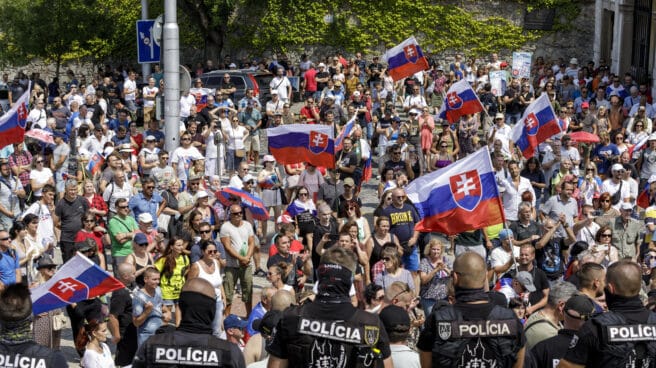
[(576, 41)]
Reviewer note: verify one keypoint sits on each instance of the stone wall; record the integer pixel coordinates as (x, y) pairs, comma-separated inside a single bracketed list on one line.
[(48, 70)]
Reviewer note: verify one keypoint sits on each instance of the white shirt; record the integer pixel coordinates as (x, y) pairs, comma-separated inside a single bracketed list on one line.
[(609, 187), (587, 233), (147, 91), (38, 118), (280, 84), (186, 102), (182, 157), (130, 90), (512, 197), (504, 134)]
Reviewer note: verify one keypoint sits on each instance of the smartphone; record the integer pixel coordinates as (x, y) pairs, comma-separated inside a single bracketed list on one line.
[(334, 237)]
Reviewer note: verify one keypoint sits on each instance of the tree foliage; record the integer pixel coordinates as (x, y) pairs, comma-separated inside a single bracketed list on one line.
[(61, 30), (356, 25)]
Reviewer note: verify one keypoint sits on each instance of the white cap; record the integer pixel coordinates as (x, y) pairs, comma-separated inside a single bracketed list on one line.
[(356, 93), (626, 206), (145, 217), (284, 219), (247, 178), (268, 158), (574, 61), (617, 167), (274, 92), (652, 137), (652, 179), (201, 194), (322, 65)]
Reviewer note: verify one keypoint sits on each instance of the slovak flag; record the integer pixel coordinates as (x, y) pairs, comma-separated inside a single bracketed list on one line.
[(95, 163), (294, 143), (536, 126), (460, 197), (339, 141), (366, 156), (78, 279), (12, 124), (460, 100), (405, 59)]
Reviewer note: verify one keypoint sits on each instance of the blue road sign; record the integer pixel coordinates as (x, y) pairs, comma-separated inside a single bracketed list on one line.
[(148, 51)]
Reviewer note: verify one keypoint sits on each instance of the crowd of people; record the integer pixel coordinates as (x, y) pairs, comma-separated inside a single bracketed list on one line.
[(575, 245)]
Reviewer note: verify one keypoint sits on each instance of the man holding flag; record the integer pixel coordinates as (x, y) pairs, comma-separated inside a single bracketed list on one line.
[(537, 125)]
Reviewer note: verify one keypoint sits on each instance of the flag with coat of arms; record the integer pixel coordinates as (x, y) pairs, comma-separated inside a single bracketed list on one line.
[(78, 279), (460, 197), (537, 125), (294, 143), (405, 59), (460, 100), (12, 124)]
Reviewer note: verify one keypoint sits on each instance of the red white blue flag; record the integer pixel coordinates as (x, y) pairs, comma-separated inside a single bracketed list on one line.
[(537, 125), (294, 143), (78, 279), (12, 124), (95, 163), (460, 100), (405, 59), (346, 131), (460, 197)]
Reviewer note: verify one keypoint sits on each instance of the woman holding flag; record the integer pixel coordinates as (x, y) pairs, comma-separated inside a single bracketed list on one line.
[(270, 183)]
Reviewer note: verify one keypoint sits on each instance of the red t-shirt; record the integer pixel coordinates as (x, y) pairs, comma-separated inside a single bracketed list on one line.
[(294, 248), (310, 80), (83, 235)]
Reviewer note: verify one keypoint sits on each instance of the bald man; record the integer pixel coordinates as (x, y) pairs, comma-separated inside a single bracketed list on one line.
[(124, 332), (473, 329), (623, 337), (192, 343)]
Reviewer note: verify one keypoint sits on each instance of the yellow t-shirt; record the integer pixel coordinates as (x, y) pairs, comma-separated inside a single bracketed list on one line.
[(171, 286), (493, 231)]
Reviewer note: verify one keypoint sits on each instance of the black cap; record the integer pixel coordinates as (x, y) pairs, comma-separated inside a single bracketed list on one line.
[(395, 318)]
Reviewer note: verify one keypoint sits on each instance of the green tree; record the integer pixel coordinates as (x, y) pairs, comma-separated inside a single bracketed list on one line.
[(62, 30)]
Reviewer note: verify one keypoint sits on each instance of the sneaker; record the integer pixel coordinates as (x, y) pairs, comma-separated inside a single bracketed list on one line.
[(260, 272)]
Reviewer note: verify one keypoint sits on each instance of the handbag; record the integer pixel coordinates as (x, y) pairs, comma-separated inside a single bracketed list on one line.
[(163, 221), (283, 196), (58, 321), (240, 152)]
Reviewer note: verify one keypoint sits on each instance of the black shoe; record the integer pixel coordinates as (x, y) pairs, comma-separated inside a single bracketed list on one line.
[(260, 272)]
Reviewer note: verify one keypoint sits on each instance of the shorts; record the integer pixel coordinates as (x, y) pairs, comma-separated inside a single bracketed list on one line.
[(411, 261), (252, 142), (245, 276)]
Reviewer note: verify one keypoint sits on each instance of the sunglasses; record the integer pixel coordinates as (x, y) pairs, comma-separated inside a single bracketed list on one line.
[(122, 207), (605, 201), (211, 252), (142, 244), (606, 235), (302, 194), (236, 213), (205, 231), (399, 197), (89, 221), (3, 239), (39, 162)]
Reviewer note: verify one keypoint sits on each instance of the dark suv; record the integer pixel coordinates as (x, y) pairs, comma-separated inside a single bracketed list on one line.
[(242, 79)]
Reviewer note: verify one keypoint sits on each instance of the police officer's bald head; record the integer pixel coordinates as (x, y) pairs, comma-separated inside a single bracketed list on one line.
[(624, 278), (470, 271), (201, 286)]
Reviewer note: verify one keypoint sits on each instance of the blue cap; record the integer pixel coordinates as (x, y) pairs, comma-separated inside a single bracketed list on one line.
[(140, 238), (233, 321), (59, 134), (505, 234)]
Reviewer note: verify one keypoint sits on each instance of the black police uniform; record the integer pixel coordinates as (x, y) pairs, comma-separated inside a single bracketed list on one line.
[(186, 349), (322, 334), (623, 337), (30, 354), (547, 353), (461, 334)]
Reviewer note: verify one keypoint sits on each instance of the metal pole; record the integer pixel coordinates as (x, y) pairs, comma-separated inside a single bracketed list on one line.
[(171, 76), (145, 67)]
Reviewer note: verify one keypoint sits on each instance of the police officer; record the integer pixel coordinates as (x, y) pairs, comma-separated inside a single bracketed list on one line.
[(473, 330), (192, 343), (623, 337), (17, 349), (330, 332)]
